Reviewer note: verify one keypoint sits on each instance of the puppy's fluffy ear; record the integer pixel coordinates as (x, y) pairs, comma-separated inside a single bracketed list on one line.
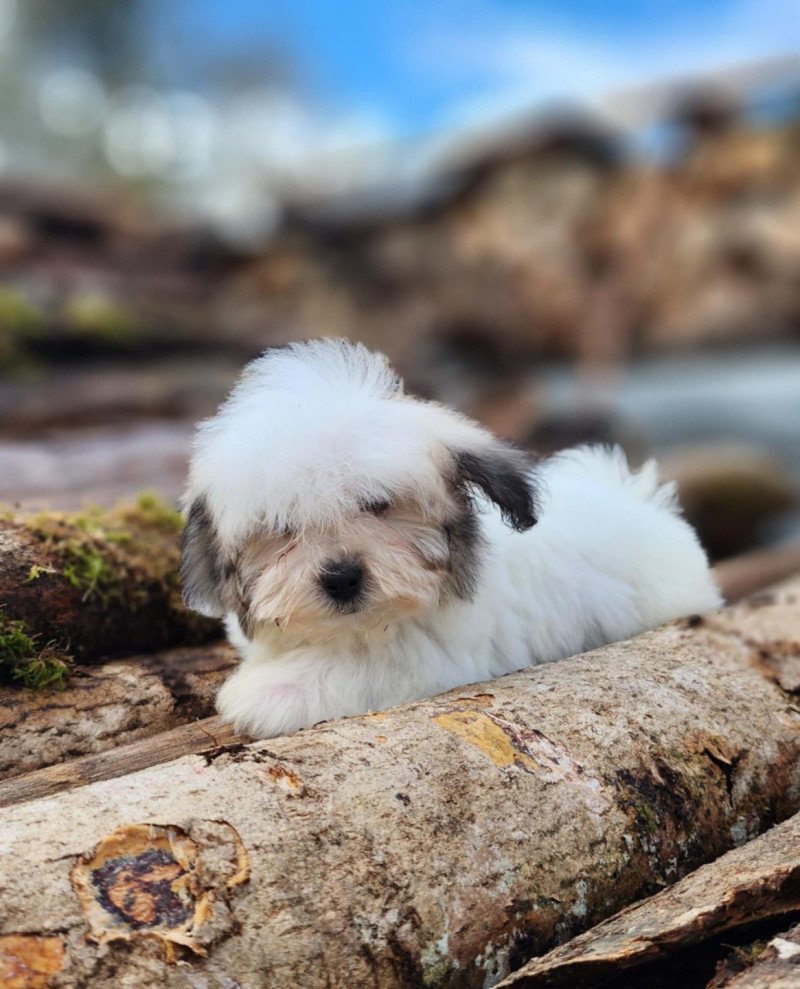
[(202, 579), (503, 473)]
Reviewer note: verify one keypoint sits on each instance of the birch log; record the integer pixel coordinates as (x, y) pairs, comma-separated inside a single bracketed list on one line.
[(440, 844)]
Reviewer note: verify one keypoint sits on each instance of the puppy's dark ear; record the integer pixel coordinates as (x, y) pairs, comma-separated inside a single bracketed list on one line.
[(202, 578), (503, 473)]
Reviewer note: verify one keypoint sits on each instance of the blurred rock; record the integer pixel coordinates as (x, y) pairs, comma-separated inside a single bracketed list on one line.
[(729, 492), (557, 247)]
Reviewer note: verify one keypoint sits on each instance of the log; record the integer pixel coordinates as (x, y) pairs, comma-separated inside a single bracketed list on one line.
[(108, 706), (123, 701), (743, 575), (759, 881), (195, 737), (442, 843), (101, 584)]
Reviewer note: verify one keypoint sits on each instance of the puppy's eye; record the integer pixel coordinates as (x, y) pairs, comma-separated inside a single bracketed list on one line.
[(376, 507)]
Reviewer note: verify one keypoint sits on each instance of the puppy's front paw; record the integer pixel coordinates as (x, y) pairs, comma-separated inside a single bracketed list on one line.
[(259, 705)]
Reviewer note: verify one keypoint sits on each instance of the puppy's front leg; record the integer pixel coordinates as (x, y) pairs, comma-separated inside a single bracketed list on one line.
[(267, 699)]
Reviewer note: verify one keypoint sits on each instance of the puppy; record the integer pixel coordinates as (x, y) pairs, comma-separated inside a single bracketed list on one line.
[(367, 548)]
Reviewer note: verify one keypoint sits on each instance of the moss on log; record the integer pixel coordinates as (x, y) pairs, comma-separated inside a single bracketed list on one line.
[(89, 586)]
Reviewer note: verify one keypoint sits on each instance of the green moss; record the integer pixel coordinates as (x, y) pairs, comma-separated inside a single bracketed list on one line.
[(752, 952), (20, 321), (151, 509), (15, 644), (47, 671), (36, 572), (88, 569), (121, 555), (646, 817), (23, 664), (18, 316)]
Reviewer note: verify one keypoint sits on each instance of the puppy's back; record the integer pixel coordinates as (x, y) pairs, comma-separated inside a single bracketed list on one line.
[(627, 525)]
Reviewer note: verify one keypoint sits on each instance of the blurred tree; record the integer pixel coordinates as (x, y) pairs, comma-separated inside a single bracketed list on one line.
[(109, 39)]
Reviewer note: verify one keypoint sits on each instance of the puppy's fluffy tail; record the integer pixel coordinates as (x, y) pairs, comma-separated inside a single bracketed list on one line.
[(609, 464)]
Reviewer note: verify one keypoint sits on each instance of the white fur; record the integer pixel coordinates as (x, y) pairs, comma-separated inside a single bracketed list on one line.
[(312, 432)]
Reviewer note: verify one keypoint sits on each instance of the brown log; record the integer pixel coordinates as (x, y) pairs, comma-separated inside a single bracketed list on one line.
[(743, 575), (96, 585), (438, 844), (757, 881), (107, 706)]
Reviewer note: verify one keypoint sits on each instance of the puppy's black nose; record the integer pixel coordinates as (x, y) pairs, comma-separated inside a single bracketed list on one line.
[(342, 581)]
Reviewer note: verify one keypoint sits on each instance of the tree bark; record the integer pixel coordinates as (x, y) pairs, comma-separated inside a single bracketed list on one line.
[(438, 844), (760, 880), (107, 706), (97, 585)]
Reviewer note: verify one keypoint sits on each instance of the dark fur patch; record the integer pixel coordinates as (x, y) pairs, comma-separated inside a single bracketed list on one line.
[(203, 578), (242, 588), (464, 542), (503, 473)]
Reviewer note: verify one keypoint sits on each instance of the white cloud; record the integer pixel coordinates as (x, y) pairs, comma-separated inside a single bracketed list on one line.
[(511, 63)]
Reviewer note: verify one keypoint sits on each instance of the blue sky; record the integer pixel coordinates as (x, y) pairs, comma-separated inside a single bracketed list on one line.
[(412, 67)]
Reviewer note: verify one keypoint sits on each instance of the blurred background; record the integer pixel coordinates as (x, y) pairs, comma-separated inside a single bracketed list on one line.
[(575, 222)]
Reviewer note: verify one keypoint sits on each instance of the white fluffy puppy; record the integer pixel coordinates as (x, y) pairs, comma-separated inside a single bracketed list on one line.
[(369, 548)]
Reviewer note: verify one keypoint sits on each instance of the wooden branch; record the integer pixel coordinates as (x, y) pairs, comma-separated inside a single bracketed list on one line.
[(758, 881), (107, 706), (438, 844), (194, 737), (96, 585)]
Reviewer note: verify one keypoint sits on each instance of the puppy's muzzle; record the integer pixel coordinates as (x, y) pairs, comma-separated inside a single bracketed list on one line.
[(343, 582)]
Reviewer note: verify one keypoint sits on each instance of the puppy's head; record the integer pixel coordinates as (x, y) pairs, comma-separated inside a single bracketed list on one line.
[(326, 503)]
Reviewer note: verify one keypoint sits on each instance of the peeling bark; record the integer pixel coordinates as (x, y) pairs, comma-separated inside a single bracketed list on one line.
[(758, 881), (27, 961), (97, 585), (108, 706), (438, 844)]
